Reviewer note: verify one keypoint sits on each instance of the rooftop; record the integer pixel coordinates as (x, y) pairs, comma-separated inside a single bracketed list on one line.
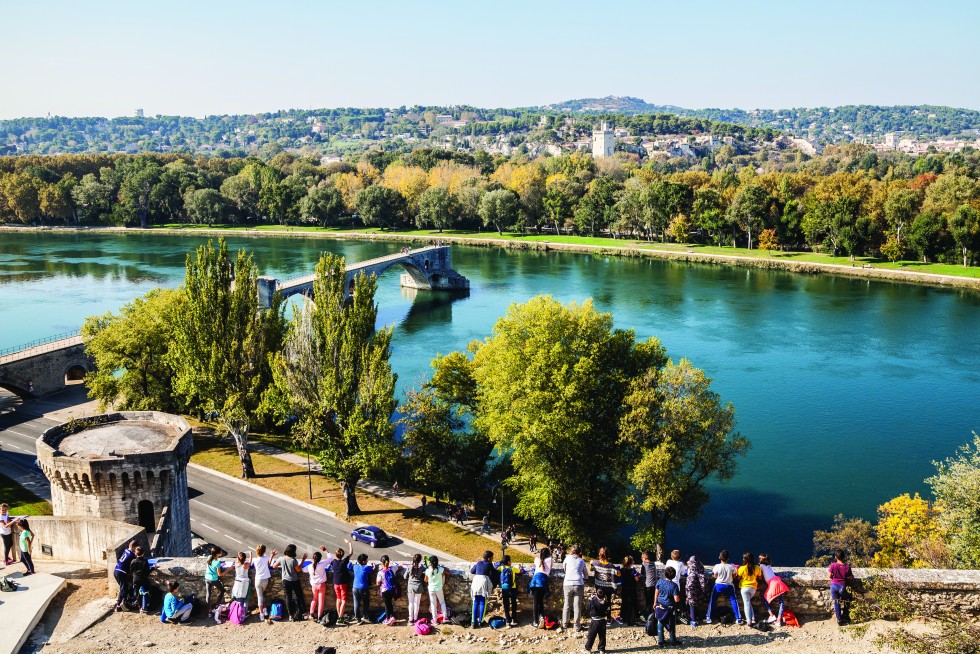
[(119, 439)]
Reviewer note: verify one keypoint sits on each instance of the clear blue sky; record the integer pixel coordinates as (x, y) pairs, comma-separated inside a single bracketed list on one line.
[(67, 57)]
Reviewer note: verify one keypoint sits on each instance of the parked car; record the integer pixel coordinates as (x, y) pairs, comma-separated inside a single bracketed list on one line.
[(373, 536)]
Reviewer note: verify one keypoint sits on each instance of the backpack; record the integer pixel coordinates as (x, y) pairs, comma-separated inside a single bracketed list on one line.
[(550, 622), (329, 618), (220, 613), (422, 627), (506, 577), (497, 622), (790, 619), (236, 613), (8, 585), (275, 611), (391, 583), (651, 626)]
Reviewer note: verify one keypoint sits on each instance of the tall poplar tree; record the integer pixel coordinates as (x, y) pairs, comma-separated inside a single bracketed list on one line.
[(334, 376), (222, 342)]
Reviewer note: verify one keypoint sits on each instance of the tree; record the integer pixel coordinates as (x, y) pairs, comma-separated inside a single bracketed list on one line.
[(835, 221), (749, 209), (964, 227), (436, 208), (20, 193), (901, 207), (547, 387), (322, 205), (892, 249), (677, 434), (768, 241), (131, 349), (205, 206), (956, 487), (680, 228), (559, 200), (381, 206), (499, 208), (908, 534), (140, 176), (597, 209), (444, 456), (335, 377), (222, 342), (853, 535)]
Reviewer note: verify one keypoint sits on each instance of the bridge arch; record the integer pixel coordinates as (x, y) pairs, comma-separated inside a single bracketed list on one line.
[(75, 373)]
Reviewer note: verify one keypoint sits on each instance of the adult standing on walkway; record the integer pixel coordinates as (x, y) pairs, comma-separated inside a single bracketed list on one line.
[(121, 573), (573, 588), (26, 545), (7, 533)]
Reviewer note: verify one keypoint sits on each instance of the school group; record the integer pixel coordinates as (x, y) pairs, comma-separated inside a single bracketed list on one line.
[(682, 584)]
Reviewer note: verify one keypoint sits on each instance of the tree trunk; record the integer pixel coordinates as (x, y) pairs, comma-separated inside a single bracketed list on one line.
[(239, 432), (966, 254), (660, 522), (349, 487)]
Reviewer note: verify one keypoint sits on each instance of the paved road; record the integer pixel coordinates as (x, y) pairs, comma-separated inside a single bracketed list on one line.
[(225, 513)]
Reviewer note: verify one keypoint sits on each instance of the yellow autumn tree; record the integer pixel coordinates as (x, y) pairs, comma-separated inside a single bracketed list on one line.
[(768, 241), (908, 534), (348, 184), (410, 181)]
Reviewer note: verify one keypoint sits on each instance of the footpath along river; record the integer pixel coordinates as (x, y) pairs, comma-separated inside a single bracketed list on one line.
[(847, 388)]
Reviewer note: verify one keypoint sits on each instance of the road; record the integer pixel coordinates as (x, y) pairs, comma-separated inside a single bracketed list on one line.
[(227, 514)]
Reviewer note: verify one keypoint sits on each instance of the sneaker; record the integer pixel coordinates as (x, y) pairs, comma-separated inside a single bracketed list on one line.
[(694, 624), (740, 622), (118, 609), (707, 620), (771, 619)]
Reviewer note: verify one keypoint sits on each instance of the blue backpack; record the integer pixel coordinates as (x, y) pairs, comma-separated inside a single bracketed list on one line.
[(506, 577), (275, 611)]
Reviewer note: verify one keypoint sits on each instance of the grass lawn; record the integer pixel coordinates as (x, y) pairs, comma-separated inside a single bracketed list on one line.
[(393, 517), (21, 500), (808, 257)]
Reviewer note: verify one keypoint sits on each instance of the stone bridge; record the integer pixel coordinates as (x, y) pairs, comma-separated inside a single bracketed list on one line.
[(427, 268), (44, 367)]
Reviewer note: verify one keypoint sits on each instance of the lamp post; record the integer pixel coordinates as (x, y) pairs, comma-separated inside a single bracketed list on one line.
[(503, 543)]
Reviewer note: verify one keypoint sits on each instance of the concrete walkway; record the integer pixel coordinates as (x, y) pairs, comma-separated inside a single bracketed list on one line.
[(407, 499), (21, 611)]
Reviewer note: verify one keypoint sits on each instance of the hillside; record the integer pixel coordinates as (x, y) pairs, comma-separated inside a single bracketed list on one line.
[(825, 124)]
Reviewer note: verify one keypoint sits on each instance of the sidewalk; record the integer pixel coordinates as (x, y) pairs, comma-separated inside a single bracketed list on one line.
[(409, 500)]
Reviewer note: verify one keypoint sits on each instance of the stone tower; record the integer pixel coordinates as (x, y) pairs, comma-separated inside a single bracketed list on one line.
[(129, 466), (603, 142)]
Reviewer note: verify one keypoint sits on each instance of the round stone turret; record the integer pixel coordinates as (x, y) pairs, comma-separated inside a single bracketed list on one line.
[(129, 466)]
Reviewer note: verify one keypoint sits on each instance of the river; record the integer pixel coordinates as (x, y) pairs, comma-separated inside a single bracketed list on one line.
[(848, 389)]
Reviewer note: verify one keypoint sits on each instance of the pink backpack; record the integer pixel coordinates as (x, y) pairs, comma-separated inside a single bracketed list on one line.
[(422, 627), (236, 613)]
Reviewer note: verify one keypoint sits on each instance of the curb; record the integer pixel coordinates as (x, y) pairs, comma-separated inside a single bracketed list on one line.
[(292, 500)]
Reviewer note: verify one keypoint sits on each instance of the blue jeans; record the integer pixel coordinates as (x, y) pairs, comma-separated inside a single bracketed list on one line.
[(671, 629), (781, 600), (747, 594), (725, 590), (838, 594)]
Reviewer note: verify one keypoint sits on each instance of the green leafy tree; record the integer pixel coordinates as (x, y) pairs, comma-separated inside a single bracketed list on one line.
[(131, 353), (750, 209), (548, 386), (853, 535), (956, 487), (222, 342), (964, 227), (205, 206), (597, 209), (677, 434), (499, 208), (901, 208), (139, 176), (833, 220), (436, 208), (335, 377), (444, 456), (381, 206), (323, 206)]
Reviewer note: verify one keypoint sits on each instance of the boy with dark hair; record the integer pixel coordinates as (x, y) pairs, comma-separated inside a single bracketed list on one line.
[(666, 597), (648, 567), (362, 587)]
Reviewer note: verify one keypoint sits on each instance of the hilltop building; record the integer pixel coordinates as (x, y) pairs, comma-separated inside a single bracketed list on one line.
[(603, 142)]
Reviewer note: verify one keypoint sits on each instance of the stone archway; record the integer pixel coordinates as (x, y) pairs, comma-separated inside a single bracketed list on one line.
[(144, 513), (75, 374)]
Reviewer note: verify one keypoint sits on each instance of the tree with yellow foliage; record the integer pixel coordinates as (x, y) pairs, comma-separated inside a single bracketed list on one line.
[(768, 241), (908, 534)]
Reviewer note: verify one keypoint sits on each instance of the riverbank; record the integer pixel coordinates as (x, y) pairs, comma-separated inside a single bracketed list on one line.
[(807, 263)]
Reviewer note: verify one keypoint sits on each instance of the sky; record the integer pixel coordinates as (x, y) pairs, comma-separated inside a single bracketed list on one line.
[(195, 58)]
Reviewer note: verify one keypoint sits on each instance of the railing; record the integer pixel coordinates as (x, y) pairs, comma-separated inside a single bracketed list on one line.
[(362, 264), (38, 342)]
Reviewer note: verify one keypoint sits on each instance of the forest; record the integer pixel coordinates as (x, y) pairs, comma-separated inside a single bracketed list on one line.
[(848, 201)]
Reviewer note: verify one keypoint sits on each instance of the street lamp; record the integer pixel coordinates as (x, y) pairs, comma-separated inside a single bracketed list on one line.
[(493, 491)]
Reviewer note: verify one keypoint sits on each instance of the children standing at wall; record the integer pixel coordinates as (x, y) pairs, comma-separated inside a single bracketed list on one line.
[(415, 576), (435, 577), (508, 588), (481, 586), (338, 574), (598, 609), (362, 587), (724, 576)]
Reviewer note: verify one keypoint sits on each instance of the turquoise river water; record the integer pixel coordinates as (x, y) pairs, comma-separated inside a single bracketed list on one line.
[(848, 389)]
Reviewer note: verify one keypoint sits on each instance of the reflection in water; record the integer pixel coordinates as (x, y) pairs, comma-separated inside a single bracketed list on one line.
[(428, 308)]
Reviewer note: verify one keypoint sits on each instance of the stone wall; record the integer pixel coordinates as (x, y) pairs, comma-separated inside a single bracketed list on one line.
[(95, 541), (45, 370), (809, 588)]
